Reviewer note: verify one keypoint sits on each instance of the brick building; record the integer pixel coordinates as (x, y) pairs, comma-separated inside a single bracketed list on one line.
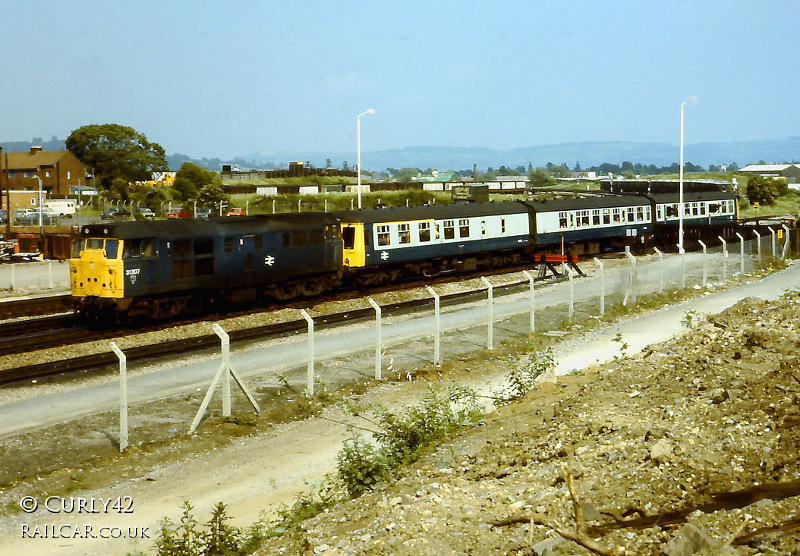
[(58, 171)]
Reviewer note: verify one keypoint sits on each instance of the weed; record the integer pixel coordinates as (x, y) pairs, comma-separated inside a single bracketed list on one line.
[(361, 466), (690, 318), (522, 377)]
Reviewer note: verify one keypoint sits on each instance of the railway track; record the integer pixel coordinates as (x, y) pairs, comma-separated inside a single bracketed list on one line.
[(169, 348), (34, 306)]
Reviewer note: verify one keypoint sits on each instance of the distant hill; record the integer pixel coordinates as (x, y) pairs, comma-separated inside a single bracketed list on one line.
[(462, 158), (587, 154)]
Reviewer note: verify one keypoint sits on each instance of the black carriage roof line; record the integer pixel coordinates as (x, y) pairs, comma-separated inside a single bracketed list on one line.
[(190, 228)]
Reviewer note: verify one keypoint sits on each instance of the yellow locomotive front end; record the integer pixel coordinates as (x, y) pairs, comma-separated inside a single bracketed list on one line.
[(96, 270)]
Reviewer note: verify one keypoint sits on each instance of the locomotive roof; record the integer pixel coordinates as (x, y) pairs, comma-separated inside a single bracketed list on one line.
[(190, 227), (426, 212)]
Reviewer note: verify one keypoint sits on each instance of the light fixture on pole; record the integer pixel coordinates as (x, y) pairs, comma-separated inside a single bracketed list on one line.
[(358, 144), (41, 224), (681, 210)]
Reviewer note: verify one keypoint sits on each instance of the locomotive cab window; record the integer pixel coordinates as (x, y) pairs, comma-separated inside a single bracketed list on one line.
[(111, 248), (77, 247), (349, 237)]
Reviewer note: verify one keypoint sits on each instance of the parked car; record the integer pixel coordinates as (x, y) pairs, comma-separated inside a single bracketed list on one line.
[(235, 211), (203, 213), (114, 212), (31, 217), (179, 212), (145, 214)]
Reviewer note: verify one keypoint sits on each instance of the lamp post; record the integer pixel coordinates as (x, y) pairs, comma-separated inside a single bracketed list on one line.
[(358, 145), (680, 180), (41, 223)]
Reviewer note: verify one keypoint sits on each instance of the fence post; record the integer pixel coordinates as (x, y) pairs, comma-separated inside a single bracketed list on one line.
[(632, 273), (772, 243), (490, 342), (436, 307), (785, 241), (530, 278), (724, 258), (571, 312), (602, 286), (660, 269), (273, 206), (682, 253), (758, 246), (377, 337), (123, 397), (299, 205), (705, 272), (310, 377), (741, 253)]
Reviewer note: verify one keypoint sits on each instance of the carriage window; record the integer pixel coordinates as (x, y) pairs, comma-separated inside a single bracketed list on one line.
[(449, 229), (463, 227), (584, 218), (316, 237), (606, 216), (182, 249), (131, 248), (502, 225), (695, 210), (204, 247), (424, 231), (299, 239), (639, 214), (631, 215), (112, 246), (383, 235), (562, 219), (595, 218), (702, 209), (617, 214), (687, 209), (404, 233)]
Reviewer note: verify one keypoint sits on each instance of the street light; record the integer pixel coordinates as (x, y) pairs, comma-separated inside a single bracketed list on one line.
[(41, 224), (358, 142), (680, 180)]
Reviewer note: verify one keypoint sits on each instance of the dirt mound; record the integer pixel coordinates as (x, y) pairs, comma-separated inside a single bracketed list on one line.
[(690, 447)]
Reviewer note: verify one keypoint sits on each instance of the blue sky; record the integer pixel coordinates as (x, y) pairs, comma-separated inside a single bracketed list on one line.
[(227, 78)]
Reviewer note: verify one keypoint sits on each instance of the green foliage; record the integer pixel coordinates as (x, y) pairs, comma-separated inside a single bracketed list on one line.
[(191, 178), (522, 377), (321, 496), (115, 151), (217, 537), (765, 191), (212, 195), (361, 466), (540, 178)]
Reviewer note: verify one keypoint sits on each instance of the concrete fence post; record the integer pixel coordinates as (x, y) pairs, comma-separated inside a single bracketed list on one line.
[(785, 241), (437, 325), (682, 253), (490, 340), (602, 285), (741, 253), (377, 337), (530, 278), (123, 396), (705, 266), (758, 246), (310, 374), (632, 274), (660, 269), (724, 258)]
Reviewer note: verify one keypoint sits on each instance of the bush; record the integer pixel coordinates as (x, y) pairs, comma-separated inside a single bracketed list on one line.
[(361, 466)]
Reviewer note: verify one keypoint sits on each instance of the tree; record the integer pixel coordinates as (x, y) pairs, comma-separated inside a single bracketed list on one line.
[(211, 195), (191, 178), (761, 190), (540, 178), (115, 151)]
